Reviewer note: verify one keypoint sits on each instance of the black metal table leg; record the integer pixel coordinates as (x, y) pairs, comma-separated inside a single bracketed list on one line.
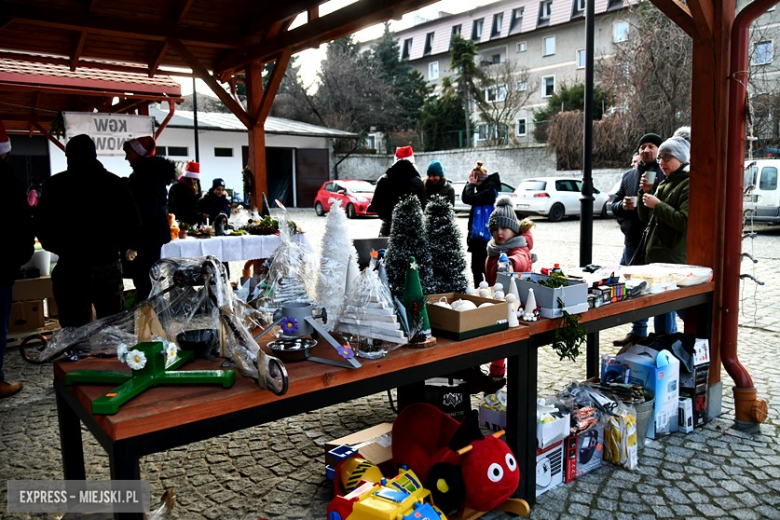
[(593, 363), (521, 414), (70, 441)]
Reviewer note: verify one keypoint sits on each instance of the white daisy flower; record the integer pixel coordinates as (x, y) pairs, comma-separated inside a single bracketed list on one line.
[(121, 352), (136, 359), (171, 351)]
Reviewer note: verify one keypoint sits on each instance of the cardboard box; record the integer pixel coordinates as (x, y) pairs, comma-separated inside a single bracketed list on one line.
[(460, 325), (550, 433), (584, 452), (27, 315), (698, 397), (493, 420), (374, 444), (685, 415), (549, 468), (449, 395), (32, 289), (574, 295), (658, 371)]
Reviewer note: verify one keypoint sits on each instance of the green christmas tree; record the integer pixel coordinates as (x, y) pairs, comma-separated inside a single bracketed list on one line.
[(445, 244), (407, 238), (414, 302)]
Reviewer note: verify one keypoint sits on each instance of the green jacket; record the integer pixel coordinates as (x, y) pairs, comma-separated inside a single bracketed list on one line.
[(667, 239)]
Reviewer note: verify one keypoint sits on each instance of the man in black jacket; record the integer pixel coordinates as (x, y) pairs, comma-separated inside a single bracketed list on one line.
[(87, 217), (624, 209), (402, 178), (18, 243)]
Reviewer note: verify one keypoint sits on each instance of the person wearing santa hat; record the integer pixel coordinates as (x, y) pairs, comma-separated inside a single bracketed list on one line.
[(401, 179), (18, 243), (149, 186), (184, 194), (87, 217)]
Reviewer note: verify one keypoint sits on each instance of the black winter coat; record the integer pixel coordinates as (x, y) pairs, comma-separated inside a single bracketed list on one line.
[(210, 206), (86, 215), (400, 179), (443, 188), (148, 185), (183, 203), (482, 195), (18, 236), (630, 223)]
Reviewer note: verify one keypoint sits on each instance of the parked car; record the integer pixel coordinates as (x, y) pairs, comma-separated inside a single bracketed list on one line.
[(555, 198), (611, 197), (764, 197), (355, 196), (458, 186)]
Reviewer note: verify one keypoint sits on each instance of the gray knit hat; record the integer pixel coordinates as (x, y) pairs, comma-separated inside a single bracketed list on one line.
[(678, 146), (504, 215)]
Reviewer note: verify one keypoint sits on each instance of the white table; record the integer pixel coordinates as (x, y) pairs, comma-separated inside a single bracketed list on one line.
[(229, 248)]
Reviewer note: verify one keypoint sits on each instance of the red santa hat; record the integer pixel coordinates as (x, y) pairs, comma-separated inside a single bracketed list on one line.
[(404, 152), (192, 170), (5, 141), (143, 146)]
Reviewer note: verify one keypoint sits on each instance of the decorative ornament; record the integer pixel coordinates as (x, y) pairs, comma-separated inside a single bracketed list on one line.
[(530, 307), (289, 325), (511, 312), (136, 359), (171, 350), (121, 352)]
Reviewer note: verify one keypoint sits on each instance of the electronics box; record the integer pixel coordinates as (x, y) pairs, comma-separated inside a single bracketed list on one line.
[(460, 325), (658, 371), (493, 420), (549, 433), (698, 398), (374, 444), (685, 415), (549, 468), (449, 395), (574, 295), (584, 452)]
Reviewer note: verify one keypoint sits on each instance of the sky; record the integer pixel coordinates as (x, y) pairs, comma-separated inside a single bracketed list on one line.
[(309, 60)]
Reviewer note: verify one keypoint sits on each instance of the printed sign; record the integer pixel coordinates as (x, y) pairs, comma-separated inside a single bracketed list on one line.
[(109, 131)]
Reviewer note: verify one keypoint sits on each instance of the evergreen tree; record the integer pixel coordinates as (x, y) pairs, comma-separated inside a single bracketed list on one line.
[(443, 119), (407, 238), (415, 304), (445, 244), (467, 73)]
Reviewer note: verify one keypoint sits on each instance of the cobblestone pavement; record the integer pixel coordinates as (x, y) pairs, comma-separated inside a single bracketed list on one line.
[(277, 470)]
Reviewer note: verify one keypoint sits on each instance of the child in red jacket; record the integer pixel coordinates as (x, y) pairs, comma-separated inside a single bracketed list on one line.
[(514, 238)]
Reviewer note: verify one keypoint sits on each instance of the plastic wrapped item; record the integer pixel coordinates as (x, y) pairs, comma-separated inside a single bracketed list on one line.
[(620, 437), (662, 277), (192, 305), (291, 275), (369, 321)]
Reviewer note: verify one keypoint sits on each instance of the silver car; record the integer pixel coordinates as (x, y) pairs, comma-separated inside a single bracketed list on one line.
[(555, 198)]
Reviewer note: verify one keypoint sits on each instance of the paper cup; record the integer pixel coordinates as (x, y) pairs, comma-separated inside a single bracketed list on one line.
[(650, 176)]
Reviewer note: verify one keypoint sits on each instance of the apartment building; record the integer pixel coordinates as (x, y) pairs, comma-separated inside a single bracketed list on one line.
[(545, 40)]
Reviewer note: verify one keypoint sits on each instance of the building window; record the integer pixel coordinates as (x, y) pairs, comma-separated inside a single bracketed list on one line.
[(549, 46), (495, 59), (223, 152), (545, 10), (614, 4), (548, 86), (433, 70), (762, 53), (407, 49), (619, 32), (517, 20), (428, 44), (173, 151), (580, 58), (476, 29), (578, 7), (522, 86), (498, 22), (455, 32), (520, 130), (497, 93), (521, 46)]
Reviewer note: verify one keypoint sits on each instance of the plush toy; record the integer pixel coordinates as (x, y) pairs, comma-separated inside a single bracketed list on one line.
[(460, 466)]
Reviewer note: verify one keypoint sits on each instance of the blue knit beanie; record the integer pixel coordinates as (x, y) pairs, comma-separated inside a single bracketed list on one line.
[(435, 169)]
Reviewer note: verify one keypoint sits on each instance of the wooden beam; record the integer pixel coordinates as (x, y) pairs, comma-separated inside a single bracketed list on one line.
[(129, 28), (75, 56), (337, 24), (134, 69), (264, 15), (202, 73), (182, 10), (257, 156), (154, 64), (678, 12), (703, 14), (48, 135), (277, 75)]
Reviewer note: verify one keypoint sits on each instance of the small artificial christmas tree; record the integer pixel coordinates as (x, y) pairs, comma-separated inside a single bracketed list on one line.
[(445, 245), (414, 302), (337, 253), (407, 238)]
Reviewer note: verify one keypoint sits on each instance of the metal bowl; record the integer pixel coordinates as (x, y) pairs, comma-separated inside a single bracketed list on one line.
[(292, 349)]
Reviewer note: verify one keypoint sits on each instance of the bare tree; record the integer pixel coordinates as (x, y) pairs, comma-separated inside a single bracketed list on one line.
[(498, 98)]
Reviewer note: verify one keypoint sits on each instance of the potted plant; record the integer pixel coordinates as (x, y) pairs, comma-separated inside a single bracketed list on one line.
[(184, 228)]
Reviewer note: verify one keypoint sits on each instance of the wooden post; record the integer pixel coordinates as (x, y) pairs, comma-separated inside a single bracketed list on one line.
[(257, 164)]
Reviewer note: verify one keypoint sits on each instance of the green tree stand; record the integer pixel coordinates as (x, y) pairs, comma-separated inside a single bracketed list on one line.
[(152, 374)]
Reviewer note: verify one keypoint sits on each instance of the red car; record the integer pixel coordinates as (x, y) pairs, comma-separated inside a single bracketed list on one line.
[(355, 196)]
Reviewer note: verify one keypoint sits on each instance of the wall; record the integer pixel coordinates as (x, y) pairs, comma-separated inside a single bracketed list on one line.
[(513, 164)]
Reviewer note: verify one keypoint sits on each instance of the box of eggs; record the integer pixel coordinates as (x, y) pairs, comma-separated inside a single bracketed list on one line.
[(462, 316)]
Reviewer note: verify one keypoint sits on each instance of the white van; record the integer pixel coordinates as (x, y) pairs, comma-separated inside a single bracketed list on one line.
[(764, 198)]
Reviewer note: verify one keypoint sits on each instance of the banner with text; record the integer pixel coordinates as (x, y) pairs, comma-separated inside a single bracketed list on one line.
[(109, 131)]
